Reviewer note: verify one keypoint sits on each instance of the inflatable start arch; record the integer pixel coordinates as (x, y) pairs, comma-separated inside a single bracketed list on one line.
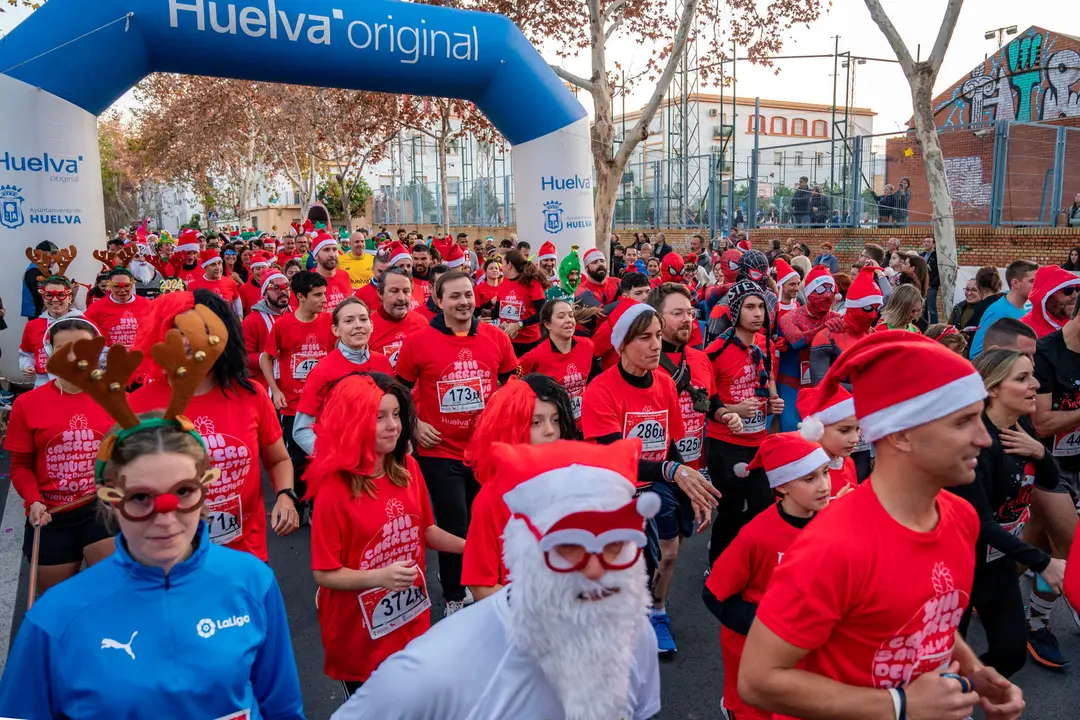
[(71, 59)]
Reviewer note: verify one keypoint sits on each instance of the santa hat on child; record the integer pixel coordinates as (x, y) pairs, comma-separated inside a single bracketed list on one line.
[(209, 256), (623, 316), (322, 240), (575, 493), (818, 276), (547, 252), (454, 257), (784, 272), (591, 256), (864, 290), (260, 259), (671, 267), (785, 457), (818, 410), (188, 241), (901, 380), (397, 252)]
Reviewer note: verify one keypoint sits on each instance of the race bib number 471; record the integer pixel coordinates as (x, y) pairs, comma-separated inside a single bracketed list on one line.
[(651, 427)]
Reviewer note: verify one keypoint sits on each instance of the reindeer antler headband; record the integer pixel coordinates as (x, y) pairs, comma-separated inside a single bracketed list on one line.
[(206, 337), (42, 259)]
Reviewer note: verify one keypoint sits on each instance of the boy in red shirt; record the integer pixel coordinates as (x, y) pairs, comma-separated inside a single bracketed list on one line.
[(118, 316), (859, 621), (213, 280), (830, 420), (797, 472)]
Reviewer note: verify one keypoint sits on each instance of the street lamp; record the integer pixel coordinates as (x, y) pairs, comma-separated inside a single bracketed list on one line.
[(1000, 34)]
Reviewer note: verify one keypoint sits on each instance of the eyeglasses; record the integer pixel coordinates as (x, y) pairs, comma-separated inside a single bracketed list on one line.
[(56, 294), (118, 285), (279, 286), (571, 558), (139, 505)]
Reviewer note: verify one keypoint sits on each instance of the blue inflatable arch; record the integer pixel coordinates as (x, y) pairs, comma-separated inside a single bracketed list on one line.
[(71, 59)]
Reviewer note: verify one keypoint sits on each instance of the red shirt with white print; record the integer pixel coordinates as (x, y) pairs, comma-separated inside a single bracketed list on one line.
[(224, 287), (876, 604), (517, 303), (388, 333), (612, 405), (482, 563), (235, 426), (298, 347), (328, 371), (189, 276), (338, 287), (701, 377), (736, 377), (53, 438), (570, 370), (33, 342), (118, 322), (604, 292), (485, 293), (361, 629), (454, 375)]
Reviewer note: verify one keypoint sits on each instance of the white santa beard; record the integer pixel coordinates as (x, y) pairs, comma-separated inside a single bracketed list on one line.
[(143, 271), (585, 648)]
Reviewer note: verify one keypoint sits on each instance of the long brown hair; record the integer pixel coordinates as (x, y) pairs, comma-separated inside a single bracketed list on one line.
[(528, 273)]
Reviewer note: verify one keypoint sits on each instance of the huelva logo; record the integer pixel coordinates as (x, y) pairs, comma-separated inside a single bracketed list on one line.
[(40, 163)]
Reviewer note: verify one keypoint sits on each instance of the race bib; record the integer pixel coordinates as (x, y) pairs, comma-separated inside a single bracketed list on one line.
[(1067, 444), (385, 610), (510, 310), (391, 352), (689, 448), (804, 374), (651, 427), (225, 519), (575, 405), (756, 423), (1015, 528), (304, 364), (460, 396), (862, 445)]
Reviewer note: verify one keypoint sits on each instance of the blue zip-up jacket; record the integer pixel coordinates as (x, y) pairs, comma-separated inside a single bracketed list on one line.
[(123, 641)]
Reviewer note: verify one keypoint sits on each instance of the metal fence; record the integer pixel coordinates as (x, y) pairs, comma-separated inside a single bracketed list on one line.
[(487, 202)]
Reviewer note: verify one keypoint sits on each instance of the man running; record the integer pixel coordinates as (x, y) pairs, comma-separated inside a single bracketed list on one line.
[(789, 282), (338, 285), (393, 321), (258, 323), (358, 261), (370, 293), (186, 257), (213, 280), (547, 260), (1019, 276), (118, 316), (602, 286), (421, 270), (288, 251)]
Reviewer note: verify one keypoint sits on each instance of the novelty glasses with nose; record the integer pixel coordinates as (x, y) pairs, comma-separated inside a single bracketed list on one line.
[(138, 504)]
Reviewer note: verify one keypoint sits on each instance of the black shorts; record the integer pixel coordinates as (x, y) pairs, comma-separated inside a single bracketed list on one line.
[(63, 539), (676, 516)]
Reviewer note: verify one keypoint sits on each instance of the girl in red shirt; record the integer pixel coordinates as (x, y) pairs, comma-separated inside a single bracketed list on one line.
[(533, 411), (521, 297), (568, 359), (53, 436), (488, 287), (798, 474), (830, 421), (373, 527)]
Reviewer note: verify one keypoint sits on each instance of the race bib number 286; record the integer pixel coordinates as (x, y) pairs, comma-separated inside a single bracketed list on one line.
[(650, 426)]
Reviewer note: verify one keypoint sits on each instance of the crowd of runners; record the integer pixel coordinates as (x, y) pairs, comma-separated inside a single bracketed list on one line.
[(396, 389)]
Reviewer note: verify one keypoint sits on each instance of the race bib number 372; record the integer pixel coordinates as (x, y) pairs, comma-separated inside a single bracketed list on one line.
[(386, 610)]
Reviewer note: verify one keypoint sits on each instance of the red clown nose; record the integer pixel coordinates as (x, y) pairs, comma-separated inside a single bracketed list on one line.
[(166, 503)]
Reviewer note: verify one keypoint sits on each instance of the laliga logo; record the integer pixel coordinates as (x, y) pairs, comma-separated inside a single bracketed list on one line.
[(207, 627), (11, 212), (553, 217)]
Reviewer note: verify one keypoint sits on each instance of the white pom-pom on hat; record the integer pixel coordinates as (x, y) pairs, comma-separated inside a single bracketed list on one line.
[(812, 428), (742, 470), (648, 504)]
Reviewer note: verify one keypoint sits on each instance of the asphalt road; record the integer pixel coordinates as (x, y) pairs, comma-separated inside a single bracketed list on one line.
[(692, 681)]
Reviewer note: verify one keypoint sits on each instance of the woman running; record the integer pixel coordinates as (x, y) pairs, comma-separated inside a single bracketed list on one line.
[(53, 435), (521, 297), (240, 426), (373, 527), (1005, 476), (532, 411), (171, 624), (568, 359)]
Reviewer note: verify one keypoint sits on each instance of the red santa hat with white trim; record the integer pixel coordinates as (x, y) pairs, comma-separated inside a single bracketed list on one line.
[(209, 256), (454, 257), (591, 256), (864, 290), (785, 457), (575, 493), (819, 409), (322, 240), (260, 259), (901, 380), (188, 241), (784, 272), (622, 316), (397, 252), (818, 276), (547, 252)]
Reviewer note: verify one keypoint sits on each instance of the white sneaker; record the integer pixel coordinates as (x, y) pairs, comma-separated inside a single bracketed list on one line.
[(453, 606), (469, 599)]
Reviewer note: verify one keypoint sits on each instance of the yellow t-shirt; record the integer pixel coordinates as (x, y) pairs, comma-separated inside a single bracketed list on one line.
[(359, 269)]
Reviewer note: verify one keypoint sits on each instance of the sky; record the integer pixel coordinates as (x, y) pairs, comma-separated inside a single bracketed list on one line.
[(878, 86)]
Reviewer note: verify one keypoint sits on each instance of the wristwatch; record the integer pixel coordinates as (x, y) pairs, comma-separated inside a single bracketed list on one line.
[(291, 493)]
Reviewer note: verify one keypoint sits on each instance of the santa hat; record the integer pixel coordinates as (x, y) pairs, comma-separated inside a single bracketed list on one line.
[(209, 256), (623, 316), (547, 251), (321, 241), (818, 410), (785, 457), (591, 256), (744, 245), (454, 257), (901, 380), (260, 259), (864, 290), (784, 272), (443, 245), (575, 493), (671, 267), (397, 252), (818, 276), (188, 241), (272, 277)]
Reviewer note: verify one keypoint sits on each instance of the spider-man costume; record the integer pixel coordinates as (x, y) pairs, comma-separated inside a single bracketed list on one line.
[(798, 329)]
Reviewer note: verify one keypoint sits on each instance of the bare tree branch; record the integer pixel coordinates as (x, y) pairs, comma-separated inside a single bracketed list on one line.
[(573, 79), (877, 14), (614, 27), (941, 44), (610, 10)]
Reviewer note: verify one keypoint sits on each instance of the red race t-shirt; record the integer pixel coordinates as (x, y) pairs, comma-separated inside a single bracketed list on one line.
[(256, 328), (249, 295), (387, 333), (612, 405), (701, 377), (189, 276), (517, 304), (604, 292), (736, 377), (369, 295), (485, 293), (361, 629), (283, 257), (298, 347), (876, 604), (235, 427), (33, 342), (843, 476), (570, 370), (745, 568), (454, 376), (119, 323), (328, 371), (482, 563), (224, 287), (338, 287), (61, 432)]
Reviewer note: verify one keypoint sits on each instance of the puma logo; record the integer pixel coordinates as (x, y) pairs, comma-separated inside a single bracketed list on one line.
[(113, 644)]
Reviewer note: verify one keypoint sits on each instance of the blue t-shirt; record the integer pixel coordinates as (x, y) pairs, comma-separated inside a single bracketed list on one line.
[(1000, 309)]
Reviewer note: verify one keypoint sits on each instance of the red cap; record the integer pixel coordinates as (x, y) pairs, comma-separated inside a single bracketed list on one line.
[(785, 457)]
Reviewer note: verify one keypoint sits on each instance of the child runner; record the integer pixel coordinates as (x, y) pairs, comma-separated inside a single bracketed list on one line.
[(830, 421)]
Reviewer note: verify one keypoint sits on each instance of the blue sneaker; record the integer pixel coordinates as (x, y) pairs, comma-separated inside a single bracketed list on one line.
[(1042, 646), (661, 625)]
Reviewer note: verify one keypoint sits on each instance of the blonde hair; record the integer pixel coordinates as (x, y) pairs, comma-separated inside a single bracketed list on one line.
[(995, 365), (903, 303)]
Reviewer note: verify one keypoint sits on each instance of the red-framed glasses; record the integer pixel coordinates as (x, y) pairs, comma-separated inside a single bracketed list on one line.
[(56, 294), (619, 555)]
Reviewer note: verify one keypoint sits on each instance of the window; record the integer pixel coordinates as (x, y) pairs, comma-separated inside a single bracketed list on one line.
[(798, 159), (778, 158), (778, 126), (819, 158), (755, 119), (798, 127), (820, 128)]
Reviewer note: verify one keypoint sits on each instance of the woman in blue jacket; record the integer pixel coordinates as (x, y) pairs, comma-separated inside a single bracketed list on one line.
[(171, 625)]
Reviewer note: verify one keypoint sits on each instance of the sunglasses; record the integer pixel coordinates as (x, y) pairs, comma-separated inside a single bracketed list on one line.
[(1070, 291), (279, 286), (56, 294), (230, 253)]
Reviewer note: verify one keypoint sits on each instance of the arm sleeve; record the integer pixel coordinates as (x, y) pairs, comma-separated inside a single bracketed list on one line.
[(795, 337), (737, 614), (885, 286), (303, 433), (238, 307), (274, 679), (24, 688), (595, 369), (538, 305), (26, 360)]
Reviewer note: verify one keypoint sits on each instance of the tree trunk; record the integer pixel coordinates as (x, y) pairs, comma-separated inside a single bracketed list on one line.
[(607, 187), (346, 196), (937, 183)]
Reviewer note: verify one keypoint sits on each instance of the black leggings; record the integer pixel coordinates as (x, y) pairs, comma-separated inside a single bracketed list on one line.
[(995, 594), (743, 497), (452, 488), (296, 454)]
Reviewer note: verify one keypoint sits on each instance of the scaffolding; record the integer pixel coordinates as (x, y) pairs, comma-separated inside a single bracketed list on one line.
[(684, 187)]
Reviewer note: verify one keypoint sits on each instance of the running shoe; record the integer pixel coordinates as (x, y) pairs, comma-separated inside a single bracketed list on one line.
[(1043, 648), (661, 625), (723, 710), (452, 606), (469, 599)]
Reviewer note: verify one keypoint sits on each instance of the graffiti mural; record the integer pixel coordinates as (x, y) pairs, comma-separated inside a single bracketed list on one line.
[(1034, 77)]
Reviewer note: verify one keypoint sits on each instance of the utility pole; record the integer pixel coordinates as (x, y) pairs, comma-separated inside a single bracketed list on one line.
[(832, 134), (731, 179)]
